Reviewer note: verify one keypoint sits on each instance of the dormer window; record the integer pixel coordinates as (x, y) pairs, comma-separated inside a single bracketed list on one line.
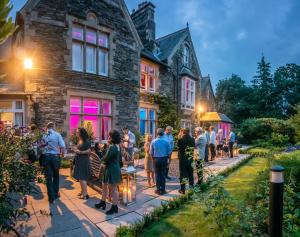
[(186, 56)]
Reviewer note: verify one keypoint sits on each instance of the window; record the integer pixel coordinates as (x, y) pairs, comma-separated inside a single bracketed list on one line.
[(12, 112), (188, 93), (207, 95), (89, 50), (186, 56), (186, 124), (95, 112), (147, 121), (149, 77)]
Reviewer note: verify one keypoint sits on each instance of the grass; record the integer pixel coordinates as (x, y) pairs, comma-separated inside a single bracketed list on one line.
[(240, 182), (190, 220)]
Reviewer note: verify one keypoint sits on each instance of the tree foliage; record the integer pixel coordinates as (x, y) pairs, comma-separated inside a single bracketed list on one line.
[(7, 26), (14, 185), (269, 95)]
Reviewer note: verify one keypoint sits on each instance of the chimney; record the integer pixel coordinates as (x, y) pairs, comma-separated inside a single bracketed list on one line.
[(143, 19)]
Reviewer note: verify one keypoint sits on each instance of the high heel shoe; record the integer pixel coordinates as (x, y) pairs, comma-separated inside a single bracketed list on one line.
[(101, 205), (86, 197), (113, 210)]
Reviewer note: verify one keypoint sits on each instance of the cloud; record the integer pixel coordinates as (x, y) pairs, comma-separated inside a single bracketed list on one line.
[(241, 35)]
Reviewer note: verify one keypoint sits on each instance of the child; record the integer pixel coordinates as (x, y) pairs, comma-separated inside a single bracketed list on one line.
[(226, 148)]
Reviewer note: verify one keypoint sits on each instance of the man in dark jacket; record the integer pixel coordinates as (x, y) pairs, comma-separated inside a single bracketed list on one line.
[(186, 146)]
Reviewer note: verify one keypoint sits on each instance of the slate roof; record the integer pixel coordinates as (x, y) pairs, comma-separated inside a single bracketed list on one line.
[(204, 83), (149, 55), (215, 117), (168, 43)]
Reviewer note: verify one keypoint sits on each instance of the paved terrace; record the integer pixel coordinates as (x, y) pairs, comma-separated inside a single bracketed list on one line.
[(73, 217)]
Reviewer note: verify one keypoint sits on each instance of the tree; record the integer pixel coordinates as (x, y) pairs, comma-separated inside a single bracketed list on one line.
[(287, 89), (263, 85), (232, 97), (7, 27)]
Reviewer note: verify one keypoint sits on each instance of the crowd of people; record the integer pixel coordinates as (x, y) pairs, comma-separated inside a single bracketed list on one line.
[(193, 151)]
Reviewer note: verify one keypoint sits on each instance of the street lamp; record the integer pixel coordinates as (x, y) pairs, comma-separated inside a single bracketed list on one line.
[(28, 63)]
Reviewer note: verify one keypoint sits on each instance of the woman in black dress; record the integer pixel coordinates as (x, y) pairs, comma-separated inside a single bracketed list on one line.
[(112, 173), (82, 161)]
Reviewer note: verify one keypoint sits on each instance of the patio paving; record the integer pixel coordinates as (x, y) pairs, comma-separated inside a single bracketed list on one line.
[(70, 216)]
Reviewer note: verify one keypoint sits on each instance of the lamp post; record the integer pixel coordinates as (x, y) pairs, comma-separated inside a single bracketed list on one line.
[(276, 201)]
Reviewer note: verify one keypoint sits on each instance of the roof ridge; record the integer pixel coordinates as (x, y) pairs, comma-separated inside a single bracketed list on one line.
[(168, 35)]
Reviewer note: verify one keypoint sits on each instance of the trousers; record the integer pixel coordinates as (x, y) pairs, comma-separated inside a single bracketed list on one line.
[(51, 165), (160, 166)]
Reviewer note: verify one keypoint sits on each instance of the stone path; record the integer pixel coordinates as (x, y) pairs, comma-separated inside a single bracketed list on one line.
[(73, 217)]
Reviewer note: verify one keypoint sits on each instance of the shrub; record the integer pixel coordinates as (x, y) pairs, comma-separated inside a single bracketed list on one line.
[(274, 131)]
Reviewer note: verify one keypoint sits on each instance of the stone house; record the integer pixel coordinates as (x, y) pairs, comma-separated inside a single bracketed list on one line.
[(94, 62), (85, 66), (179, 75)]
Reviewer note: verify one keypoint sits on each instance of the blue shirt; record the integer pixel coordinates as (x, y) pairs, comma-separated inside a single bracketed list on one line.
[(170, 139), (231, 137), (54, 142), (160, 148), (212, 138)]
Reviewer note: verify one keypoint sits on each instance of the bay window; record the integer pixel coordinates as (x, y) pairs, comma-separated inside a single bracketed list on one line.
[(96, 112), (147, 121), (188, 93), (149, 77), (89, 50), (12, 112)]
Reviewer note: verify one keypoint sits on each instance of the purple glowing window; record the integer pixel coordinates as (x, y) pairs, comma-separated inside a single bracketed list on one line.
[(91, 36), (90, 106), (75, 105), (106, 127), (103, 40), (77, 32), (94, 122), (74, 122), (106, 107)]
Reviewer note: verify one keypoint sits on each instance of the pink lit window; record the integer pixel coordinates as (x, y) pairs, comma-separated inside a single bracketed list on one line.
[(74, 122), (151, 83), (94, 122), (143, 81), (91, 36), (77, 32), (106, 127), (90, 106), (151, 71), (106, 107), (75, 105), (144, 67), (103, 40)]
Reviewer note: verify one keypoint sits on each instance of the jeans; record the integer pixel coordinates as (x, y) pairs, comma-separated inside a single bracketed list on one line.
[(51, 165), (212, 151), (206, 153), (160, 166), (231, 149)]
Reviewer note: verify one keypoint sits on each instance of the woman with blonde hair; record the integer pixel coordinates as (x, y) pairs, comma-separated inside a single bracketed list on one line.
[(148, 162)]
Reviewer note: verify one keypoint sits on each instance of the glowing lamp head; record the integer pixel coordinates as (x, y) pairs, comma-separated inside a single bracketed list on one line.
[(200, 109), (28, 63)]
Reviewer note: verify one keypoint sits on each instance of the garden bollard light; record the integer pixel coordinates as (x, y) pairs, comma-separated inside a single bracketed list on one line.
[(276, 201)]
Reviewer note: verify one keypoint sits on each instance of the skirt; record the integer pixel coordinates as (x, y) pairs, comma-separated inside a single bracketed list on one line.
[(81, 169), (148, 163)]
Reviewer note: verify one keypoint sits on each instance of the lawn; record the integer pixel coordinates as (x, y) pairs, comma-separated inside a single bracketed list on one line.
[(190, 220)]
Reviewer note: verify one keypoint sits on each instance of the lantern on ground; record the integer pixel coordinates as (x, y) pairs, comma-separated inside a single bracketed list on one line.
[(127, 188)]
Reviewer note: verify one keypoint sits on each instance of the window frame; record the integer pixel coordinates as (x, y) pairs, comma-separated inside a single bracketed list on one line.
[(188, 95), (100, 114), (148, 120), (145, 71), (97, 47), (186, 56), (14, 110)]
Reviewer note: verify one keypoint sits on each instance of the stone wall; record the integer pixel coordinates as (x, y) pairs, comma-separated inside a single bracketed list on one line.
[(48, 38)]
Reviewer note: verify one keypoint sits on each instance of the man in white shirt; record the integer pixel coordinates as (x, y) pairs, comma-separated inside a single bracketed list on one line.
[(212, 143), (170, 139), (129, 141)]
